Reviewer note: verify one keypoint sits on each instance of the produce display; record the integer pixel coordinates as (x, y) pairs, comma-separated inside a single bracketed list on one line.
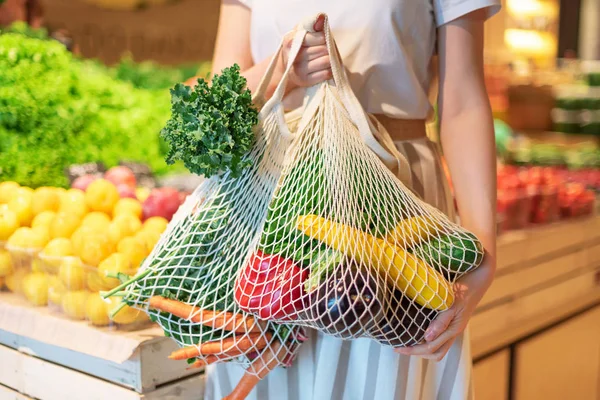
[(291, 231), (530, 195), (58, 110), (61, 248)]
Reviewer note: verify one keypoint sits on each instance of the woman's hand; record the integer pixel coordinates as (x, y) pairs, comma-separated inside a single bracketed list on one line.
[(442, 332), (312, 66)]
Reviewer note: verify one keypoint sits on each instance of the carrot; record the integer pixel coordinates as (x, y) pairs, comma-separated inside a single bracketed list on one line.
[(217, 320), (258, 370), (232, 346), (203, 363)]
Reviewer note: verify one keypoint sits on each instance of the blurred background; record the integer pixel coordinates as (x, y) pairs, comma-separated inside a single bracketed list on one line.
[(84, 92)]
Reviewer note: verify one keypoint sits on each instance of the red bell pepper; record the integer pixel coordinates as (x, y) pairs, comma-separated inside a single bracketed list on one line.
[(271, 287)]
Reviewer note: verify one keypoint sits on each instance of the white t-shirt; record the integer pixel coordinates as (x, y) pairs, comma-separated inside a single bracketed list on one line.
[(386, 45)]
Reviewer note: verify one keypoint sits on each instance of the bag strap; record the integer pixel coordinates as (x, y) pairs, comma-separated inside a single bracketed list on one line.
[(387, 152)]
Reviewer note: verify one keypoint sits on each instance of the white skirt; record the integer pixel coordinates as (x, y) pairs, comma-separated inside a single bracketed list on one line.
[(329, 368)]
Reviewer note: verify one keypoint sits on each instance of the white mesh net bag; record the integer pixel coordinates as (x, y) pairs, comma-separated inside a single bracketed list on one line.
[(346, 247)]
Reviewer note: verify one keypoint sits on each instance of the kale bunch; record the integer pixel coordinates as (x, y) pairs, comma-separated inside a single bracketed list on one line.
[(211, 128)]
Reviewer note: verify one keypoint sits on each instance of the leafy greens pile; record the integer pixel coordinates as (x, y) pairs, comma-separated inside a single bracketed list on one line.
[(57, 110), (212, 127)]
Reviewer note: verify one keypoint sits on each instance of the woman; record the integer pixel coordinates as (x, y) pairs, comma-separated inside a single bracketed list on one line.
[(387, 48)]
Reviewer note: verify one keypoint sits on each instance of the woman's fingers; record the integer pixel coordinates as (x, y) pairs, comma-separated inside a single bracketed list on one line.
[(314, 39), (308, 73), (439, 325), (313, 52)]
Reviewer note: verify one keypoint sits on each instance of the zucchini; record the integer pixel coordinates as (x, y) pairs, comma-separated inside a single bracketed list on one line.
[(459, 252)]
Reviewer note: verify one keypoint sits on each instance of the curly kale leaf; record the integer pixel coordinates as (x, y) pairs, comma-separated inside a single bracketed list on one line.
[(211, 127)]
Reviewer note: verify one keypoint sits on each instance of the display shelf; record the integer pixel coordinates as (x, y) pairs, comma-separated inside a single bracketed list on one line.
[(133, 361), (545, 275)]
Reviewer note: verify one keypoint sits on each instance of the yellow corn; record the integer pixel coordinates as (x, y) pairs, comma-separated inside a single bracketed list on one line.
[(412, 231), (412, 276)]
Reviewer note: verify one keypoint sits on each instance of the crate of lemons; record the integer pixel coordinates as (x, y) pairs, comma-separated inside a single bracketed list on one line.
[(60, 248)]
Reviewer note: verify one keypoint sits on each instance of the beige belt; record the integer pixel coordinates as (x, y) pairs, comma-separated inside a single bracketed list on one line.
[(403, 129)]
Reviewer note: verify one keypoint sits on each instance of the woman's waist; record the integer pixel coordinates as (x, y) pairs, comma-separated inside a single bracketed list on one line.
[(403, 129)]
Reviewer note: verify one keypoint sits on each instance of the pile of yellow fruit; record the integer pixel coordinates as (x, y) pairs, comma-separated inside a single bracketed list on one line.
[(62, 247)]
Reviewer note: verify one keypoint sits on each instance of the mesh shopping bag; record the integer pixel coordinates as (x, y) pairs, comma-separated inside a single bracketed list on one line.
[(347, 248), (187, 282)]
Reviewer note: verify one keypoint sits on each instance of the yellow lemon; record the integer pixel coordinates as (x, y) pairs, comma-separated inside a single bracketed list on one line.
[(64, 225), (6, 265), (39, 237), (129, 223), (45, 199), (21, 238), (97, 220), (73, 201), (43, 219), (95, 283), (114, 264), (14, 281), (125, 314), (155, 224), (73, 303), (134, 248), (8, 191), (94, 247), (101, 195), (9, 223), (21, 205), (36, 265), (142, 193), (116, 232), (56, 290), (128, 206), (150, 238), (96, 310), (72, 273), (35, 288), (54, 252)]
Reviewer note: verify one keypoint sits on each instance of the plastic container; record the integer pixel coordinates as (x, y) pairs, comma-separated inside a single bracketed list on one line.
[(22, 260), (516, 205), (545, 207), (98, 313)]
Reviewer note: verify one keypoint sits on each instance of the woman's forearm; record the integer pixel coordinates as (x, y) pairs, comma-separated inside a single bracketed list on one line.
[(469, 149)]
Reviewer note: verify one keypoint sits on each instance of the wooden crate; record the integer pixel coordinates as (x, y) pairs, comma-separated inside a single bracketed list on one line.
[(24, 376), (145, 369)]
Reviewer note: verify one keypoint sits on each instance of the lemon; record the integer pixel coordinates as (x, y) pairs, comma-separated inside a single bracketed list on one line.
[(126, 315), (96, 310), (95, 283), (73, 303), (94, 247), (54, 252), (134, 248), (128, 206), (116, 232), (56, 290), (97, 220), (6, 265), (21, 238), (36, 265), (43, 219), (8, 191), (73, 201), (72, 273), (14, 281), (35, 288), (39, 237), (155, 224), (129, 223), (21, 205), (45, 199), (150, 238), (101, 195), (9, 223), (64, 225), (116, 263)]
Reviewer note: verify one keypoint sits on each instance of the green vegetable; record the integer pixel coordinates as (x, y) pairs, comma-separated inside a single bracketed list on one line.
[(211, 127), (323, 265), (459, 252), (56, 110)]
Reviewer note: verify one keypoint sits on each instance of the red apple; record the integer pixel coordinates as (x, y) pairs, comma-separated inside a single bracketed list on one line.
[(120, 175), (162, 202), (126, 191), (83, 182)]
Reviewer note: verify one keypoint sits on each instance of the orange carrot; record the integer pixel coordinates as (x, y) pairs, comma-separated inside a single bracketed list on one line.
[(206, 361), (231, 346), (217, 320), (258, 370)]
